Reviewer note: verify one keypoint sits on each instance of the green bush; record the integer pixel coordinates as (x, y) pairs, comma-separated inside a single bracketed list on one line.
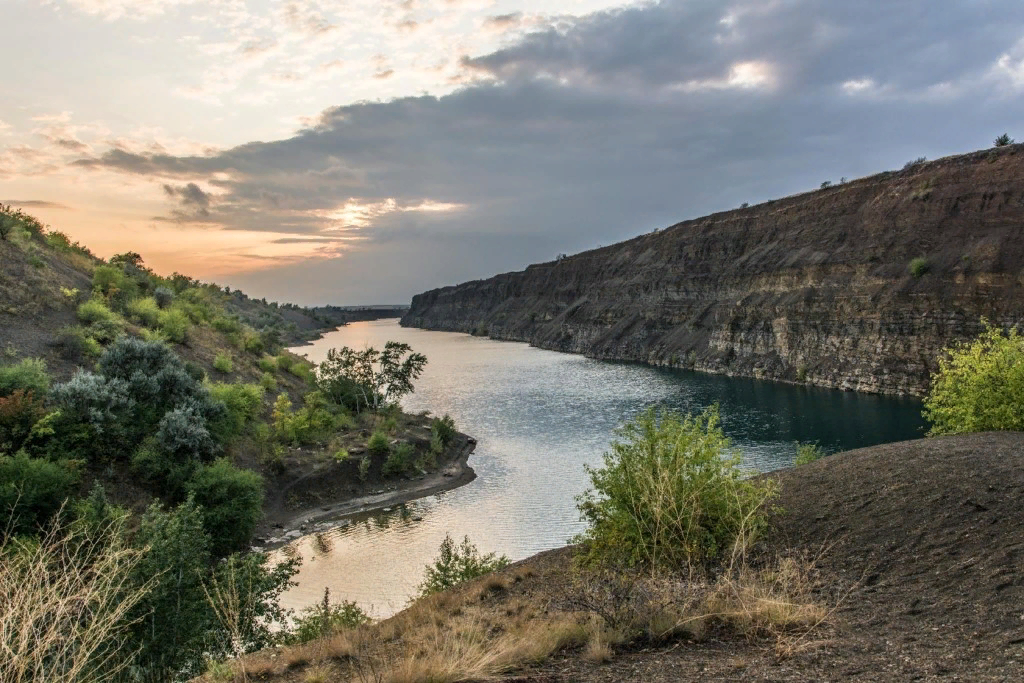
[(73, 343), (919, 267), (244, 404), (807, 453), (457, 563), (268, 382), (109, 281), (19, 413), (253, 344), (222, 363), (364, 468), (161, 472), (93, 311), (268, 364), (174, 324), (144, 311), (443, 429), (232, 501), (979, 385), (670, 495), (27, 375), (32, 490), (324, 619), (164, 297), (402, 460), (285, 362), (105, 331), (379, 444)]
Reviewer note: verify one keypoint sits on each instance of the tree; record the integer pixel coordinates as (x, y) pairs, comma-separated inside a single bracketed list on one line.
[(979, 385), (458, 563), (377, 378), (1003, 140)]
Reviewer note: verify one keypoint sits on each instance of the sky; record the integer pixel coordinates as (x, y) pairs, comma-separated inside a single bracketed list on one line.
[(363, 151)]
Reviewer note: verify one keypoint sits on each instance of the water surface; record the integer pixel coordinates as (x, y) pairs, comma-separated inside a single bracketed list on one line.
[(539, 416)]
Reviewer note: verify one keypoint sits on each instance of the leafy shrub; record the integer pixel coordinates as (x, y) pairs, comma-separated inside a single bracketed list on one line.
[(268, 382), (342, 455), (302, 371), (670, 495), (244, 404), (27, 375), (268, 364), (144, 311), (364, 468), (1003, 140), (112, 283), (345, 392), (32, 490), (378, 444), (807, 453), (253, 344), (402, 460), (443, 429), (19, 413), (457, 563), (161, 472), (174, 324), (74, 344), (228, 326), (105, 331), (979, 385), (232, 501), (93, 311), (285, 362), (92, 420), (320, 621), (182, 434), (222, 363), (919, 266), (914, 163), (163, 296)]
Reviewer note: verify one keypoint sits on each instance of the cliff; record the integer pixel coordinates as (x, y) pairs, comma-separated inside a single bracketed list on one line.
[(812, 288)]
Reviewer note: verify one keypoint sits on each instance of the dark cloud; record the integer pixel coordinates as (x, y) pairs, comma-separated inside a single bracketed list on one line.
[(611, 125), (193, 202), (504, 21)]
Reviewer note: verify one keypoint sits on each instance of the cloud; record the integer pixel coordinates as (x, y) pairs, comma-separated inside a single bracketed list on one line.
[(605, 126), (130, 9), (36, 204)]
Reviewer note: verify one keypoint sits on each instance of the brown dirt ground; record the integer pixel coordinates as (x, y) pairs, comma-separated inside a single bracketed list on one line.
[(920, 549)]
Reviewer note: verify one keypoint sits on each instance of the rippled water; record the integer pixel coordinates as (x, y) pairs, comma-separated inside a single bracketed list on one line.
[(539, 416)]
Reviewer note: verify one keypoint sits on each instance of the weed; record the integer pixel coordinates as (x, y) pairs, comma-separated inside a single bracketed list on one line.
[(222, 362)]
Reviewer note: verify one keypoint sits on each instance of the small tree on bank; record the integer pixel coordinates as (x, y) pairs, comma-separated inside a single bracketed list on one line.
[(979, 386), (1003, 140), (376, 379)]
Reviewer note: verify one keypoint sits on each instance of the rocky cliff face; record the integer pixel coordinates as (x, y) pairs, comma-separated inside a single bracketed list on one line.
[(813, 288)]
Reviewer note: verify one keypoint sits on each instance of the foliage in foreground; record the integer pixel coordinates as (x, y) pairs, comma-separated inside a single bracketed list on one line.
[(671, 496), (979, 386), (457, 563)]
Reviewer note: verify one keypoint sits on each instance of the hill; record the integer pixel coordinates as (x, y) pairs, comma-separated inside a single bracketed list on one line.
[(913, 550), (856, 286)]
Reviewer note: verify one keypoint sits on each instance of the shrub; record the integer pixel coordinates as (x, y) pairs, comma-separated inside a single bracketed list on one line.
[(32, 490), (222, 362), (92, 420), (19, 413), (378, 444), (73, 344), (161, 472), (807, 453), (112, 283), (228, 326), (443, 429), (182, 435), (253, 344), (163, 296), (919, 266), (320, 621), (400, 461), (364, 468), (979, 385), (387, 375), (195, 371), (105, 331), (914, 163), (1003, 140), (174, 324), (27, 375), (670, 495), (232, 501), (341, 455), (268, 382), (244, 404), (144, 311), (457, 563), (93, 311), (268, 364), (285, 362)]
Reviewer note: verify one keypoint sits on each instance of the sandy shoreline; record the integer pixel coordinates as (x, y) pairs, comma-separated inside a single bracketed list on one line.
[(321, 517)]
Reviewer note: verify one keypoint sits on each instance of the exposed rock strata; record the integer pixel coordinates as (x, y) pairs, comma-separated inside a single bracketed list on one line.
[(811, 288)]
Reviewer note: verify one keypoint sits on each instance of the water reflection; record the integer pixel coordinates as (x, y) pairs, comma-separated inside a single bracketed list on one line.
[(538, 417)]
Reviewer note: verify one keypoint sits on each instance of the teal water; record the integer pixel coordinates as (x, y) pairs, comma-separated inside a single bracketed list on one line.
[(539, 417)]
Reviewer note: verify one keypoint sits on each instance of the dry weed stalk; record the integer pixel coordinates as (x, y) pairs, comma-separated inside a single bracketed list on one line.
[(65, 601)]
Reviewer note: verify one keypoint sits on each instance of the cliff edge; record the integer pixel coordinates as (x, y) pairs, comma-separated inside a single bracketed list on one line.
[(813, 288)]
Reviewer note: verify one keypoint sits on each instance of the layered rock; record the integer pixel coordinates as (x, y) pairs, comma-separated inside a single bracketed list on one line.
[(812, 288)]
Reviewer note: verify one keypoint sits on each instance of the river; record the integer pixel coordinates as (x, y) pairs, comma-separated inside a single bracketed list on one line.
[(539, 417)]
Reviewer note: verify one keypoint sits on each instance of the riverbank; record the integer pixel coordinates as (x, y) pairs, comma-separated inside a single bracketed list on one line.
[(914, 550), (283, 524)]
